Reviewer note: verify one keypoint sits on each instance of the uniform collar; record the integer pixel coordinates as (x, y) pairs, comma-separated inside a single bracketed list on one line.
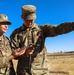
[(1, 37), (24, 27)]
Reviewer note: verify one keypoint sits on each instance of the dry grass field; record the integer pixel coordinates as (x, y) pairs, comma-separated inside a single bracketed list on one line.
[(60, 63)]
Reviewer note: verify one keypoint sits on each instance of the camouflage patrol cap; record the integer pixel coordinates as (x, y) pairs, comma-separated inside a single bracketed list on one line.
[(4, 18), (28, 12)]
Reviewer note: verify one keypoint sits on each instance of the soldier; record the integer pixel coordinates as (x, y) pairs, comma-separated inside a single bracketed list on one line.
[(35, 61), (6, 66)]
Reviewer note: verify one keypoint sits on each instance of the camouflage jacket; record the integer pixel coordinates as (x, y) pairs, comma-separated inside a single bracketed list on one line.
[(37, 63), (5, 52)]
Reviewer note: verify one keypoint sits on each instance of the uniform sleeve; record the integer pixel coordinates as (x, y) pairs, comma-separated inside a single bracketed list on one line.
[(13, 42), (5, 53), (50, 30), (14, 38), (4, 62)]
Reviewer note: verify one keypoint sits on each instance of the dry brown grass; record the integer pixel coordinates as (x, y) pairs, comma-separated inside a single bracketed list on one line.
[(62, 63)]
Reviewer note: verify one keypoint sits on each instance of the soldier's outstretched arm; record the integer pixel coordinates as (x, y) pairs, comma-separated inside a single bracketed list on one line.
[(54, 30)]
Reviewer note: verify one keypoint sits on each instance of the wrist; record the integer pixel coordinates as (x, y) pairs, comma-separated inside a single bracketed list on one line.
[(11, 57)]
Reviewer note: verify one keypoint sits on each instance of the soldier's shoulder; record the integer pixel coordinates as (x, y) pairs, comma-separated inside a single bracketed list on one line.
[(46, 25), (16, 31), (6, 39)]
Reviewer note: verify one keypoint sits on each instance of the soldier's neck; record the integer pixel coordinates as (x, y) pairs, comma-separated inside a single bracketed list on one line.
[(1, 34)]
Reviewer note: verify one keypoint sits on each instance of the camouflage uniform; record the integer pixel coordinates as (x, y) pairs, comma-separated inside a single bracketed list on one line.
[(37, 63), (5, 51)]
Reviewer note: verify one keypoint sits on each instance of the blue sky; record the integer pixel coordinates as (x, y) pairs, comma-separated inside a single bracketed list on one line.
[(48, 11)]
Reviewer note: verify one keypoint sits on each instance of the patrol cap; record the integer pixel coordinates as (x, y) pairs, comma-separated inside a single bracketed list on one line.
[(4, 18), (28, 12)]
